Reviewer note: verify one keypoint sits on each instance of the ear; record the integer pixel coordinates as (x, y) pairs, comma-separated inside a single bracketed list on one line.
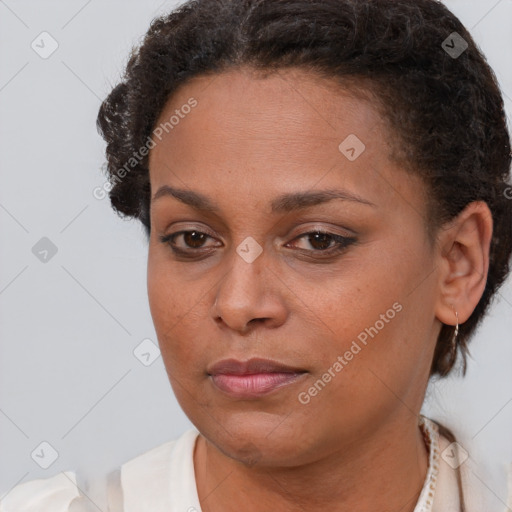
[(463, 262)]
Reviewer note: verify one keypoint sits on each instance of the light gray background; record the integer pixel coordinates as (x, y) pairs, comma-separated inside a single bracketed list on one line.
[(68, 327)]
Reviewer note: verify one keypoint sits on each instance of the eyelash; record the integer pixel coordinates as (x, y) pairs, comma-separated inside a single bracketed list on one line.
[(342, 243)]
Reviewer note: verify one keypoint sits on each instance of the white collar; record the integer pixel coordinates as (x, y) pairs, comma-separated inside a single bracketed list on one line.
[(163, 479)]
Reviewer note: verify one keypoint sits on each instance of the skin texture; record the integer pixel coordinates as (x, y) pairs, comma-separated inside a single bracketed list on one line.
[(356, 445)]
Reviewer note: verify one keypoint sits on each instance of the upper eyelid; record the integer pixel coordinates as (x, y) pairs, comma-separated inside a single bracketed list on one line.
[(313, 226)]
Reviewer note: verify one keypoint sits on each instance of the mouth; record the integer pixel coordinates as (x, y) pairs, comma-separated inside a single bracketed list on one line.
[(253, 378)]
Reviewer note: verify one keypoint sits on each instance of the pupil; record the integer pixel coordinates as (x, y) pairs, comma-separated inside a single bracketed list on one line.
[(323, 238), (193, 237)]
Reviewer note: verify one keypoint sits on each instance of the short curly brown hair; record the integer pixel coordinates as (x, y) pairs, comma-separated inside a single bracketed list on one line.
[(445, 107)]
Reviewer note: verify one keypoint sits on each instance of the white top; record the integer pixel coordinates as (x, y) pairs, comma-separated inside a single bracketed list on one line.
[(163, 480)]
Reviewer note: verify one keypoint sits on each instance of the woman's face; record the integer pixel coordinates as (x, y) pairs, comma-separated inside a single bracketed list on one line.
[(327, 336)]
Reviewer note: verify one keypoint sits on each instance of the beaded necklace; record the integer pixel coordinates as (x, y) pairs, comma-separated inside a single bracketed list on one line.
[(431, 436)]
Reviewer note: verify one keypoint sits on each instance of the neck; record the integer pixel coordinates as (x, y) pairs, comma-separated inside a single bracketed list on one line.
[(383, 472)]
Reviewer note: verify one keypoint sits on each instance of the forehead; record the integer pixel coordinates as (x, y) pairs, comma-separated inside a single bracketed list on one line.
[(292, 105), (256, 134)]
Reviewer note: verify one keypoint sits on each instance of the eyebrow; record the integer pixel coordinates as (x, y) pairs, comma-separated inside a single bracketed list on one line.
[(281, 204)]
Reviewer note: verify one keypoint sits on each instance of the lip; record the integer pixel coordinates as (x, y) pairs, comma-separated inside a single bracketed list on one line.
[(251, 366), (253, 378)]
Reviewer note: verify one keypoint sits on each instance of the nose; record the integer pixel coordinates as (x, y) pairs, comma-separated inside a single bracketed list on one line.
[(248, 295)]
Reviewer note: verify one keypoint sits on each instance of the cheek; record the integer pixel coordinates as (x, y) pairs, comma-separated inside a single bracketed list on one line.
[(369, 318), (163, 303), (168, 308), (178, 309), (348, 304), (169, 296)]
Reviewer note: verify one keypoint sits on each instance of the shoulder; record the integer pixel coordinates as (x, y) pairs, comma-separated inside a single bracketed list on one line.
[(162, 477), (461, 474), (53, 493), (141, 483)]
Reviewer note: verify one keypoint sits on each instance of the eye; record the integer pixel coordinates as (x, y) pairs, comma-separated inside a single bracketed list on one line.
[(325, 242), (192, 240)]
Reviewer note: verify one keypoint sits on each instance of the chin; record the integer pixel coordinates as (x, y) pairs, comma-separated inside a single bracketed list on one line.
[(256, 439)]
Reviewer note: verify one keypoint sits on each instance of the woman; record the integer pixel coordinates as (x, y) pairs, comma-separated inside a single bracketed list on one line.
[(324, 188)]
